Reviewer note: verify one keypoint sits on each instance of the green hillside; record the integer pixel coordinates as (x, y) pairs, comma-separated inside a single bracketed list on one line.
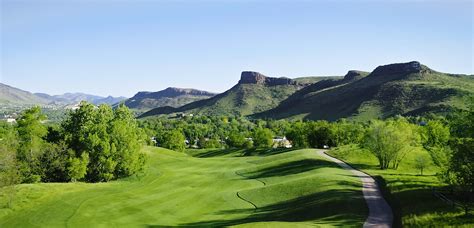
[(253, 94), (12, 95), (405, 89), (280, 189), (172, 97)]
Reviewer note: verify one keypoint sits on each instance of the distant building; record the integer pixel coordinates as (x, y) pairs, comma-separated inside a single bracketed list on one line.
[(282, 142), (11, 120)]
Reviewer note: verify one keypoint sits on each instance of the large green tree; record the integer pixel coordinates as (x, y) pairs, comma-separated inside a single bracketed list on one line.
[(391, 140), (263, 138), (111, 140), (31, 132), (9, 175), (435, 138), (320, 133), (174, 140), (297, 133), (126, 142)]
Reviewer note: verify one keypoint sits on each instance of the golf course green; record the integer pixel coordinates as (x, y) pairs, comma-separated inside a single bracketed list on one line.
[(201, 188)]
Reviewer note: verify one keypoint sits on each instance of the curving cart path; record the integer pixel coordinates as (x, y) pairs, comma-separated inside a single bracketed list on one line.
[(380, 213)]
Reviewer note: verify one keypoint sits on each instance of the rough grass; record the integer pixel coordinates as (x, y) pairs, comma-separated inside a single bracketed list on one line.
[(222, 188), (411, 192)]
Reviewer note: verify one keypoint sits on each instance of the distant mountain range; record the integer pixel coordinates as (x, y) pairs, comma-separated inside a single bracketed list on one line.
[(140, 102), (254, 93), (395, 89), (74, 98), (173, 97), (12, 95), (15, 96)]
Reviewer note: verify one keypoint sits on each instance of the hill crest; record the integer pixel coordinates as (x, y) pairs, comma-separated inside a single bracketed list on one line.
[(252, 77)]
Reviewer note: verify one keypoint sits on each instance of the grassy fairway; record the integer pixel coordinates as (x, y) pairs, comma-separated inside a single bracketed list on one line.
[(412, 194), (288, 188)]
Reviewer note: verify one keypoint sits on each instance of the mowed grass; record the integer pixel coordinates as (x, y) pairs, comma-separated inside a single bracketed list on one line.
[(411, 192), (223, 188)]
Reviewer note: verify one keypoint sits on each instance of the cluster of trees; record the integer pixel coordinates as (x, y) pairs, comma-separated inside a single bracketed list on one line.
[(450, 142), (92, 144), (213, 132)]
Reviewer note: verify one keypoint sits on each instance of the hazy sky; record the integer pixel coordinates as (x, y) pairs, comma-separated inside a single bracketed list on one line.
[(121, 47)]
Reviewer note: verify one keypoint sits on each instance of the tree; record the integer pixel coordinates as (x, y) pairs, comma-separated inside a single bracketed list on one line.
[(30, 134), (126, 143), (110, 138), (462, 169), (9, 175), (54, 162), (210, 143), (435, 134), (174, 140), (298, 135), (77, 167), (389, 141), (320, 133), (346, 132), (263, 138), (421, 162), (235, 139)]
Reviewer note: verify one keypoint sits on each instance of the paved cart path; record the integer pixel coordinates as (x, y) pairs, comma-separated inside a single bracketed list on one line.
[(380, 213)]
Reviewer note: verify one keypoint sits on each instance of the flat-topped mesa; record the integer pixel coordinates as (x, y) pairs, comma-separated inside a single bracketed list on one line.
[(173, 91), (251, 77), (398, 68), (353, 75)]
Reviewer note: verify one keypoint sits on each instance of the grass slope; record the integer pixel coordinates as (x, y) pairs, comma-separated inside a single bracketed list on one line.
[(381, 94), (242, 99), (412, 195), (210, 188)]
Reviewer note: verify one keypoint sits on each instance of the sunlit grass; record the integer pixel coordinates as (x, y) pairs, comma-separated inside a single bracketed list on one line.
[(275, 188), (412, 192)]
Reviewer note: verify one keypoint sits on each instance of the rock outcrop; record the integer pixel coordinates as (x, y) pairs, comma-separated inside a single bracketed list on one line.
[(172, 92), (354, 75), (398, 68), (251, 77)]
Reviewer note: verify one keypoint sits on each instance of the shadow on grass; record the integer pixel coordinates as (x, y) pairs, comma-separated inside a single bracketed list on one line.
[(267, 152), (290, 168), (236, 152), (217, 153), (339, 207)]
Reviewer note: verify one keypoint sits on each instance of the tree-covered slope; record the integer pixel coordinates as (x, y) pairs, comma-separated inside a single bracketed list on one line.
[(254, 93), (173, 97), (404, 88)]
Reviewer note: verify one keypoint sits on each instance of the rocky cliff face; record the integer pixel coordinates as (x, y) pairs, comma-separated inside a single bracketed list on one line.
[(172, 92), (398, 68), (354, 75), (250, 77)]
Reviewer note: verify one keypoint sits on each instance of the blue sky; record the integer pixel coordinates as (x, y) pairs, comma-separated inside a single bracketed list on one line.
[(113, 47)]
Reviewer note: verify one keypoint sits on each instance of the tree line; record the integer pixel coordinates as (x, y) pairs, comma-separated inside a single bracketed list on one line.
[(92, 144)]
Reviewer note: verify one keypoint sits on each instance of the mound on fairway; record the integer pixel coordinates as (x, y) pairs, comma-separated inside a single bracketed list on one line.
[(289, 188)]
